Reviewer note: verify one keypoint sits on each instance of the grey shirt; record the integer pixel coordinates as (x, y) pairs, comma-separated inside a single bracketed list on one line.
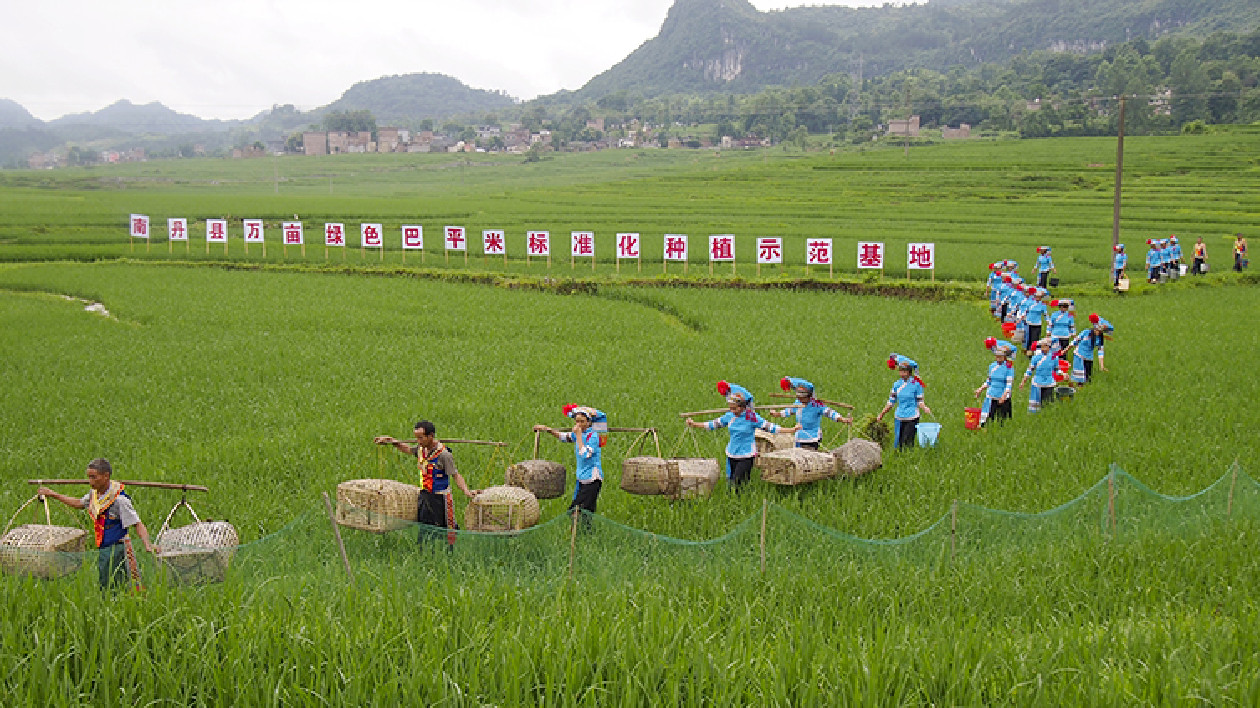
[(121, 510)]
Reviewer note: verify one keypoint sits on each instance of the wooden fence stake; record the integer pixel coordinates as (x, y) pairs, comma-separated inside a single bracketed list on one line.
[(764, 503), (1233, 480), (573, 541), (953, 529), (332, 518)]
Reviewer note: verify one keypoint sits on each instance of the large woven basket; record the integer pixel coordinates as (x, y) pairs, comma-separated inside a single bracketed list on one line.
[(544, 478), (378, 505), (772, 442), (858, 457), (648, 475), (797, 466), (42, 551), (503, 508), (697, 476), (199, 552)]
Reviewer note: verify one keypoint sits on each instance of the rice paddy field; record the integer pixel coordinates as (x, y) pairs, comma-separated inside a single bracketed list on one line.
[(1098, 552)]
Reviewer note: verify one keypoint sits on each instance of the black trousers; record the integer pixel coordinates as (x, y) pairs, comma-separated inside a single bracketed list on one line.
[(741, 471), (999, 410), (587, 495), (1034, 334), (1197, 268), (906, 433)]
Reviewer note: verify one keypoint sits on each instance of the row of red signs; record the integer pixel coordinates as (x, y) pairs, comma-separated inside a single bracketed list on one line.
[(818, 251)]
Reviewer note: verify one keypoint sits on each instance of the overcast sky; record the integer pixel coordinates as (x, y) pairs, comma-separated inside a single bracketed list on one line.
[(234, 58)]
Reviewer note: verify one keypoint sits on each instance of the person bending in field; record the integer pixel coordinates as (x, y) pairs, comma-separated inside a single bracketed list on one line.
[(112, 515), (997, 386), (586, 448), (743, 423), (809, 411), (907, 396), (1089, 344), (436, 466), (1062, 323)]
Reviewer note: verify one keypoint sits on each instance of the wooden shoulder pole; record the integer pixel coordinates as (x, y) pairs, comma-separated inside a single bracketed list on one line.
[(337, 532)]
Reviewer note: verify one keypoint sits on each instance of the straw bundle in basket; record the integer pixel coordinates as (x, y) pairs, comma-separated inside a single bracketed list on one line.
[(200, 552), (42, 551), (542, 477), (857, 457), (697, 476), (648, 475), (797, 466), (503, 508), (772, 442), (377, 504)]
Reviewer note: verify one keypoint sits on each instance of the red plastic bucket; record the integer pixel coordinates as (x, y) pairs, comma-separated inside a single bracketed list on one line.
[(971, 418)]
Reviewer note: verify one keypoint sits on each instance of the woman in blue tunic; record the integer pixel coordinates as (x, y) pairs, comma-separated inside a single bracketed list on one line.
[(809, 411), (907, 396), (1089, 344), (1045, 266), (1062, 323), (1118, 264), (997, 386), (743, 423), (1043, 368)]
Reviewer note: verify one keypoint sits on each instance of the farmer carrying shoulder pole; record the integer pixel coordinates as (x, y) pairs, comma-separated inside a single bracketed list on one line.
[(809, 411), (436, 466), (742, 422), (587, 441), (113, 515)]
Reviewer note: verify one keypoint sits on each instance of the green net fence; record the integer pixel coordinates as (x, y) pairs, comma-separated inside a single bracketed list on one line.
[(1118, 508)]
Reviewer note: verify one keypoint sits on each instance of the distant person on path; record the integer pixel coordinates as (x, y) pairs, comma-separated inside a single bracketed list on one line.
[(1118, 264), (809, 411), (436, 466), (113, 515), (589, 469), (997, 397), (907, 397), (1200, 257), (1045, 266), (1240, 252), (1174, 249), (743, 422)]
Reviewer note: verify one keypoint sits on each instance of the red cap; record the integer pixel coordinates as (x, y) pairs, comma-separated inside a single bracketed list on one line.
[(1093, 318), (1054, 302), (1116, 248), (785, 384), (568, 408), (892, 362), (724, 388), (989, 342), (1149, 241)]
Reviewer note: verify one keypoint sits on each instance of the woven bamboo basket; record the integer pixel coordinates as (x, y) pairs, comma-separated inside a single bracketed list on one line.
[(797, 466), (42, 551), (377, 505), (546, 479), (505, 508), (858, 457), (697, 476), (649, 475), (771, 442), (199, 552)]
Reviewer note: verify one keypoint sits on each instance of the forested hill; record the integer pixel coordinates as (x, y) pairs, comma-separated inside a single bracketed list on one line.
[(417, 96), (729, 46)]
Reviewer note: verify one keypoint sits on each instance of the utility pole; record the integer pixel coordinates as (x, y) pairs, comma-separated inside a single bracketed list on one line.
[(1115, 209)]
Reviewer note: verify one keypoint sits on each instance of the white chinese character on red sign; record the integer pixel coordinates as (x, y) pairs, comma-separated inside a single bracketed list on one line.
[(919, 256), (538, 243), (721, 247), (818, 251), (769, 250), (870, 255)]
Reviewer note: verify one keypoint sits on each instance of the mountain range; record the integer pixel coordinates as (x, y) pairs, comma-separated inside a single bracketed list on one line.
[(706, 47)]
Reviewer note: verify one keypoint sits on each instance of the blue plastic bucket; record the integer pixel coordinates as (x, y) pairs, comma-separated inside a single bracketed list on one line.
[(928, 433)]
